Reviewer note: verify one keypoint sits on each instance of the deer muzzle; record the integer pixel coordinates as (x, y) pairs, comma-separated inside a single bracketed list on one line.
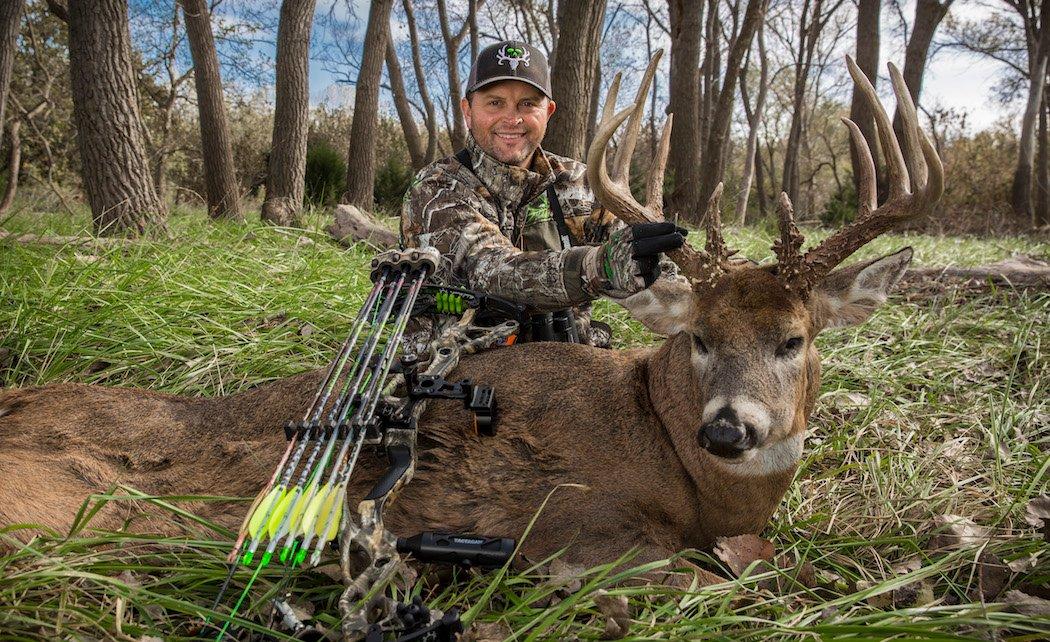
[(726, 435)]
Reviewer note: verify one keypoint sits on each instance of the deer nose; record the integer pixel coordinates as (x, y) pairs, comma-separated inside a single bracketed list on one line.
[(726, 435)]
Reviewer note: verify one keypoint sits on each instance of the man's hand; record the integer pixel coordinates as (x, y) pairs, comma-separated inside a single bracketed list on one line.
[(629, 261)]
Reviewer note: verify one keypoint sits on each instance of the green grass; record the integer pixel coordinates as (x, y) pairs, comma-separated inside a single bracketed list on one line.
[(953, 418)]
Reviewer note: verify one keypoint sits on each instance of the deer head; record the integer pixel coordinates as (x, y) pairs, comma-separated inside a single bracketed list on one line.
[(740, 369)]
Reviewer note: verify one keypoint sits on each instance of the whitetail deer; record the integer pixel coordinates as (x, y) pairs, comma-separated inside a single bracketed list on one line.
[(696, 438)]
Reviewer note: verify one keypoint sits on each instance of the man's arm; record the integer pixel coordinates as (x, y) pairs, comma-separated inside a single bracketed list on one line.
[(445, 214)]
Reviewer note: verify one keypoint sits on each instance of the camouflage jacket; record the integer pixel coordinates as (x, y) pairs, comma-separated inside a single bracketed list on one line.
[(495, 231)]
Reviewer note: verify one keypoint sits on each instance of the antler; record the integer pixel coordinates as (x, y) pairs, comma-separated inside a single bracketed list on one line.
[(614, 192), (802, 273)]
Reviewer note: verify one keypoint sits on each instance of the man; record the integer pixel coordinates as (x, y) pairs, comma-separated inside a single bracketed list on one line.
[(512, 220)]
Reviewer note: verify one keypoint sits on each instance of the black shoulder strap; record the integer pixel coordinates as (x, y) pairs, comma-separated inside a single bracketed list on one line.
[(463, 156), (559, 217)]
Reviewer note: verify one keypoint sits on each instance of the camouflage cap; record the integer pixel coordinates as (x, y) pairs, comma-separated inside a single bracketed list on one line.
[(510, 60)]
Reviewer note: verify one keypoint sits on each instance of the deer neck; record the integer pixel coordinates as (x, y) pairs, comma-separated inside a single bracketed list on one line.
[(729, 498)]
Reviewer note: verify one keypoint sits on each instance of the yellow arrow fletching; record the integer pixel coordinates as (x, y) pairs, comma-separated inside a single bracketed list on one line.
[(331, 514), (255, 524), (279, 510), (296, 515), (310, 514)]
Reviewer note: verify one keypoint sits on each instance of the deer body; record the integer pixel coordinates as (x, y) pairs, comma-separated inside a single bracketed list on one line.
[(59, 444)]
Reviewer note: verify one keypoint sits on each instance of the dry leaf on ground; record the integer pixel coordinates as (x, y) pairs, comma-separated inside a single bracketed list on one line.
[(487, 632), (956, 531), (1037, 514), (1026, 604), (614, 608), (741, 551), (993, 575)]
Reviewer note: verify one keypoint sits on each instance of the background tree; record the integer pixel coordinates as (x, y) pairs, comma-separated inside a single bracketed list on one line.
[(573, 75), (361, 157), (10, 16), (713, 155), (683, 161), (928, 15), (287, 164), (220, 179), (109, 127), (867, 58)]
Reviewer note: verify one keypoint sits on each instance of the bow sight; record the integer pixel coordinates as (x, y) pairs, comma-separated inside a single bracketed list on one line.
[(371, 395)]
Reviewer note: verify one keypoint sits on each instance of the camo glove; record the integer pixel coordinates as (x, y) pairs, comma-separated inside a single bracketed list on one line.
[(629, 261)]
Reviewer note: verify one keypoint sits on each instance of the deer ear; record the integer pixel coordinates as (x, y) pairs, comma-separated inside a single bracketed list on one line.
[(849, 296), (665, 307)]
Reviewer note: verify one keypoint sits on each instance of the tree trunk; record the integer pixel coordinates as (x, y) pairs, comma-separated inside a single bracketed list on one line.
[(1042, 171), (928, 15), (109, 127), (404, 109), (754, 119), (421, 84), (1021, 190), (572, 78), (361, 157), (220, 178), (714, 158), (684, 104), (285, 180), (808, 34), (14, 163), (868, 61), (10, 14), (459, 130)]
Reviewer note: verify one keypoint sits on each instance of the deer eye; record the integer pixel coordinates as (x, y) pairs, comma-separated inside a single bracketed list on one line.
[(789, 347), (700, 347)]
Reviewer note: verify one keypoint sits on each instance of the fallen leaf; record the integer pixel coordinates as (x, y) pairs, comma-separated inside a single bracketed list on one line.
[(150, 638), (304, 240), (909, 565), (915, 594), (563, 579), (614, 608), (1022, 564), (487, 632), (992, 576), (956, 531), (1025, 604), (306, 330), (843, 400), (878, 600), (1037, 514), (741, 551)]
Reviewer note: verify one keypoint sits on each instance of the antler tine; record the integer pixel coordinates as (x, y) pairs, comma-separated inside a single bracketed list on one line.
[(654, 187), (903, 203), (715, 245), (625, 150), (788, 248)]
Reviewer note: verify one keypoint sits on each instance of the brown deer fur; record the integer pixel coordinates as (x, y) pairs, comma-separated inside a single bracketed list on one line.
[(624, 424)]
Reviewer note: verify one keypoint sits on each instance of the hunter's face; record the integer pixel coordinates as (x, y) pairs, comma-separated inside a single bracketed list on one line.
[(508, 120)]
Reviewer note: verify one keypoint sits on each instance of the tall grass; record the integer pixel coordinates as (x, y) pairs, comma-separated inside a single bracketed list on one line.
[(938, 405)]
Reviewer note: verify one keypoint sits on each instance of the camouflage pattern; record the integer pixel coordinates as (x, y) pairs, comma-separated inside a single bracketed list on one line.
[(495, 230), (612, 271)]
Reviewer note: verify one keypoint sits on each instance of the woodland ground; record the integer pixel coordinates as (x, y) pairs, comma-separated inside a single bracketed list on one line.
[(940, 405)]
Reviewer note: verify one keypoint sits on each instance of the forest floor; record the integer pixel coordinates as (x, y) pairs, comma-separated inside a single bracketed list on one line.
[(919, 510)]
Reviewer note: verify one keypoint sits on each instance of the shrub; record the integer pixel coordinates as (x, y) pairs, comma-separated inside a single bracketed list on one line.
[(325, 174), (393, 178), (841, 208)]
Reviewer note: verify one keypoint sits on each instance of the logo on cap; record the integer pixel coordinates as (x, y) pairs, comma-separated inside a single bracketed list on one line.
[(512, 56)]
